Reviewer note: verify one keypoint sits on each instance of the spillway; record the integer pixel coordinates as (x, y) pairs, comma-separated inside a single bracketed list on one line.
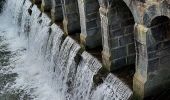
[(42, 63)]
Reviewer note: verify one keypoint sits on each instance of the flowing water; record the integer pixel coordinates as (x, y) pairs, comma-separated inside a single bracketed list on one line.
[(38, 62)]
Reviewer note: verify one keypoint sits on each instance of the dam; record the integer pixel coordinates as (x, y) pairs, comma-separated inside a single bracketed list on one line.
[(84, 50)]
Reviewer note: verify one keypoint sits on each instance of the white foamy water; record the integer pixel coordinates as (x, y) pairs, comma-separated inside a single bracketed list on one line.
[(50, 65), (112, 89)]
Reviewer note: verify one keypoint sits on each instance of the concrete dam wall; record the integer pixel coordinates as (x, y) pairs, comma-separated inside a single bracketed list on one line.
[(128, 32), (131, 39)]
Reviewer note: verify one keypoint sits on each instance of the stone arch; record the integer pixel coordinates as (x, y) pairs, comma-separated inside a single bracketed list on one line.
[(158, 55), (118, 39), (159, 40), (131, 4), (154, 10)]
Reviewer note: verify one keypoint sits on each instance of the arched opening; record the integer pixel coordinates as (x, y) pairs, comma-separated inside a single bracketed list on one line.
[(120, 41), (159, 48), (160, 28), (159, 53)]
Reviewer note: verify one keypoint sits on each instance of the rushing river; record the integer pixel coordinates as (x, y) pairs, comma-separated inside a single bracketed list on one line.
[(38, 62)]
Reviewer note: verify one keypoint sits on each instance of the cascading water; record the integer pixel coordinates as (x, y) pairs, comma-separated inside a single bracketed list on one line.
[(44, 64), (112, 89)]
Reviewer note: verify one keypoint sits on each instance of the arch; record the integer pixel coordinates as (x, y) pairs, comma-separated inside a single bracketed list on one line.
[(160, 28), (160, 37), (111, 3), (118, 40), (154, 11), (159, 54)]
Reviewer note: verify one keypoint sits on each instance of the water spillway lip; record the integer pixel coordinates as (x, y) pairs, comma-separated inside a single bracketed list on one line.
[(95, 65), (56, 29), (45, 19), (27, 4), (35, 11), (118, 86)]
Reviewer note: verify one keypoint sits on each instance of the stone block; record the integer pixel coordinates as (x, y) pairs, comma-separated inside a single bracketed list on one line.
[(91, 24), (127, 22), (131, 49), (92, 16), (118, 63), (92, 7), (153, 64), (91, 41), (124, 40), (114, 43), (131, 59), (57, 13), (119, 52), (129, 29), (116, 32)]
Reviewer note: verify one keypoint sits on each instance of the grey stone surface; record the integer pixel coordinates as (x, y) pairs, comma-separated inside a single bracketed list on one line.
[(56, 11), (90, 23), (71, 16), (130, 31)]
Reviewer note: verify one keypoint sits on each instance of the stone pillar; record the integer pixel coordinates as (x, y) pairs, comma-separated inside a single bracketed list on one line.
[(90, 23), (46, 5), (56, 11), (71, 20), (106, 53), (152, 63), (140, 77)]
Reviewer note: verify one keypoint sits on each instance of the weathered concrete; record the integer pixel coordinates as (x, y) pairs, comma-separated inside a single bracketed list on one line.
[(71, 16), (90, 23)]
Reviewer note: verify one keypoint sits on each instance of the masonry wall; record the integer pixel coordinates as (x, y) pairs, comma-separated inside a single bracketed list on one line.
[(128, 32)]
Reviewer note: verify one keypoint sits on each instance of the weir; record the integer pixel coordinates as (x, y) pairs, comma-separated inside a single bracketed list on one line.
[(51, 65), (86, 50)]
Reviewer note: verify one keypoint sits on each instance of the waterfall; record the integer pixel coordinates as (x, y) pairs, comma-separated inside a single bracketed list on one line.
[(87, 68), (112, 89), (48, 64)]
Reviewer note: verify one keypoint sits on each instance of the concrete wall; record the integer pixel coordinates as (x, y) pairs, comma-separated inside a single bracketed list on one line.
[(130, 31)]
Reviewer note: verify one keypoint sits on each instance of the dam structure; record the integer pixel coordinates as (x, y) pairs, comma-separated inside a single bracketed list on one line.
[(85, 50)]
